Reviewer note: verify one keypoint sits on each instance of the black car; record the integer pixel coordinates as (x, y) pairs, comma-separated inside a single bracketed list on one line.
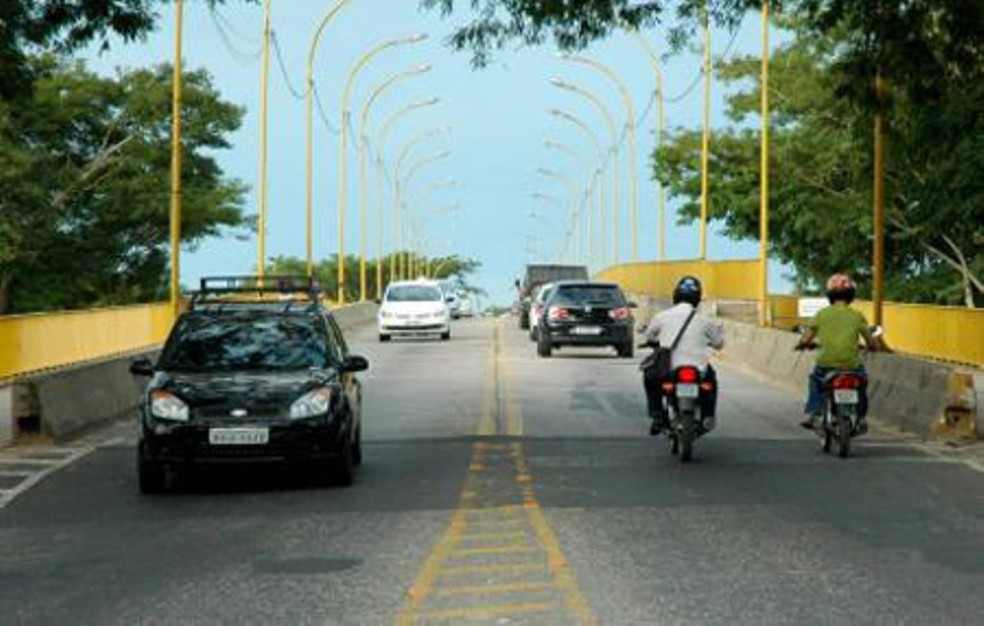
[(254, 371), (586, 313)]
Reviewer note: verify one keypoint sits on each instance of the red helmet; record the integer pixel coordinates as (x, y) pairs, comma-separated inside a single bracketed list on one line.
[(841, 287)]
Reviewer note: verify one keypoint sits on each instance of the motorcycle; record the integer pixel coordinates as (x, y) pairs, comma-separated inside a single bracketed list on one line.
[(840, 417), (683, 392)]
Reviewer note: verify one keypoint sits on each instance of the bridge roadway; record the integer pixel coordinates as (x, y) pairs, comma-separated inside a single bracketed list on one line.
[(505, 489)]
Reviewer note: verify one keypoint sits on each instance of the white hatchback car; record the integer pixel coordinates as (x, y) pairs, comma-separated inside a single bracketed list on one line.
[(412, 309)]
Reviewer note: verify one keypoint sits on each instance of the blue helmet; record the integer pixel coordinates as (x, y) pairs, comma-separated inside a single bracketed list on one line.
[(688, 289)]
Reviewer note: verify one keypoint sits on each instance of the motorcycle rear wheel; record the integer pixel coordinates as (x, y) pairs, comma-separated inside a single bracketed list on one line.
[(686, 435), (844, 436)]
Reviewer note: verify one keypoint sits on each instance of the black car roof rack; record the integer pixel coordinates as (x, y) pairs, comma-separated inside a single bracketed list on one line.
[(267, 292)]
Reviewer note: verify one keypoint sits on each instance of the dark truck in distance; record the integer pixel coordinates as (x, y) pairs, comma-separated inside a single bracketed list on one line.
[(537, 275)]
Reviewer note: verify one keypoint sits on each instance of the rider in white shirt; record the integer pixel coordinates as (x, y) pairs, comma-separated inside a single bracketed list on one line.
[(701, 338)]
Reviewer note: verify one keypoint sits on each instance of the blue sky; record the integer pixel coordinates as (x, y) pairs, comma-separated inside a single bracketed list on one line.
[(498, 117)]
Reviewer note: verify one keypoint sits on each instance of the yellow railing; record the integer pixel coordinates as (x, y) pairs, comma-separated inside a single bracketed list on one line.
[(939, 332), (29, 343)]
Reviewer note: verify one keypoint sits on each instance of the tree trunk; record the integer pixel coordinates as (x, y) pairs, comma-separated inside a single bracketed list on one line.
[(5, 283)]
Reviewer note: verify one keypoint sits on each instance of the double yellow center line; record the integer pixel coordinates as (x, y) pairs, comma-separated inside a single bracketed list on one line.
[(499, 557)]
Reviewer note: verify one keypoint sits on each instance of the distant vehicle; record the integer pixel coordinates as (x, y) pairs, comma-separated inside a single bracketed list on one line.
[(536, 309), (537, 275), (466, 308), (454, 304), (251, 373), (414, 308), (586, 313)]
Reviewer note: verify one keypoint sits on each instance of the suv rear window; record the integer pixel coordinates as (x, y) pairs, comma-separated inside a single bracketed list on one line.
[(413, 293), (584, 295), (239, 343)]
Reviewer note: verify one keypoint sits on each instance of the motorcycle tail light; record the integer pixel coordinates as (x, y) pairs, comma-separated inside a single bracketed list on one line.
[(619, 314), (847, 382), (558, 313), (688, 375)]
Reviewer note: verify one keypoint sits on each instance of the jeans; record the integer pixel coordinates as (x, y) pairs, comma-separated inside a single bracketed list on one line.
[(654, 393), (814, 402)]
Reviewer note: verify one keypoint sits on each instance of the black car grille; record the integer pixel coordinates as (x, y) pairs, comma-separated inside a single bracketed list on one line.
[(224, 413)]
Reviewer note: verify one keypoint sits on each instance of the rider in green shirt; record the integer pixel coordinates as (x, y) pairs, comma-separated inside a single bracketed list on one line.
[(837, 328)]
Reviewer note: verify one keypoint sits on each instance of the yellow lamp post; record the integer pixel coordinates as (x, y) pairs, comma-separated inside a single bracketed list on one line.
[(575, 208), (659, 124), (610, 123), (262, 192), (599, 175), (363, 119), (405, 182), (309, 106), (401, 156), (426, 265), (588, 194), (764, 174), (381, 144), (175, 214), (633, 150), (705, 149)]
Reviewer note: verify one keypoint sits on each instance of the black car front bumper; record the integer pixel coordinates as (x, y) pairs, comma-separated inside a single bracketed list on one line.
[(299, 441)]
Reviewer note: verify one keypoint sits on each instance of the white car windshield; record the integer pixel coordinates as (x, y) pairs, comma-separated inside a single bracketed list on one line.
[(413, 293)]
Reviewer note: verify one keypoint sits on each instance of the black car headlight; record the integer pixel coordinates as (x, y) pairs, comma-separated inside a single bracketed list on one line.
[(312, 404), (167, 406)]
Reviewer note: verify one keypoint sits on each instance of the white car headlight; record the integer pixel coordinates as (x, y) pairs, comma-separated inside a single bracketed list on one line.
[(167, 406), (311, 404)]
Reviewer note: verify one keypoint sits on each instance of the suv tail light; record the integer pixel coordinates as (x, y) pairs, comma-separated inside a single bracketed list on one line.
[(619, 314), (558, 313), (846, 381), (688, 375)]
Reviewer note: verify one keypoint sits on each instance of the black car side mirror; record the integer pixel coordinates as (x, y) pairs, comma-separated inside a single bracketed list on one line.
[(354, 364), (142, 367)]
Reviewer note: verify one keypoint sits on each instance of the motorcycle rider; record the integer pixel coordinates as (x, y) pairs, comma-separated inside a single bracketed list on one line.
[(693, 348), (837, 328)]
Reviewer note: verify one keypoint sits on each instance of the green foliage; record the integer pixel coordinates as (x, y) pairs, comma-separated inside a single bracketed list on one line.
[(820, 188), (451, 268), (85, 164), (29, 27), (573, 24)]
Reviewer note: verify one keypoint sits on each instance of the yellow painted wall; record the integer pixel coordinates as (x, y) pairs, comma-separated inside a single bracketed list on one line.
[(34, 342), (940, 332)]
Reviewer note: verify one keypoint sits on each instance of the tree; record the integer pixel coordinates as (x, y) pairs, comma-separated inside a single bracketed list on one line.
[(30, 27), (452, 268), (86, 170), (573, 24), (821, 176)]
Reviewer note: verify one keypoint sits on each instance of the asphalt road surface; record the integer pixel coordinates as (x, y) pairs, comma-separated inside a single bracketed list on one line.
[(500, 488)]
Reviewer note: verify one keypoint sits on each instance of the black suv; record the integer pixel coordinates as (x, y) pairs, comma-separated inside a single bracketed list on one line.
[(586, 313), (256, 370)]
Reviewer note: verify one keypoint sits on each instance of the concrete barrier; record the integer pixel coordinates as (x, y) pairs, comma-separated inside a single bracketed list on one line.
[(7, 419), (70, 400), (925, 397)]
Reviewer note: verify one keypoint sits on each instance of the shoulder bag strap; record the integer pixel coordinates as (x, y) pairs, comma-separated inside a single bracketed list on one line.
[(683, 330)]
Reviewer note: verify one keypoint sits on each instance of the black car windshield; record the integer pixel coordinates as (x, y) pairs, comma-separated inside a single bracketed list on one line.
[(238, 343), (413, 293), (584, 295)]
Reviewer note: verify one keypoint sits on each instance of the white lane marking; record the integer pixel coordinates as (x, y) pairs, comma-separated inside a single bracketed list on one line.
[(9, 495)]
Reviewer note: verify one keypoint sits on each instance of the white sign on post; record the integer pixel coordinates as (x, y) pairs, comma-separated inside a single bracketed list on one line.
[(807, 308)]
